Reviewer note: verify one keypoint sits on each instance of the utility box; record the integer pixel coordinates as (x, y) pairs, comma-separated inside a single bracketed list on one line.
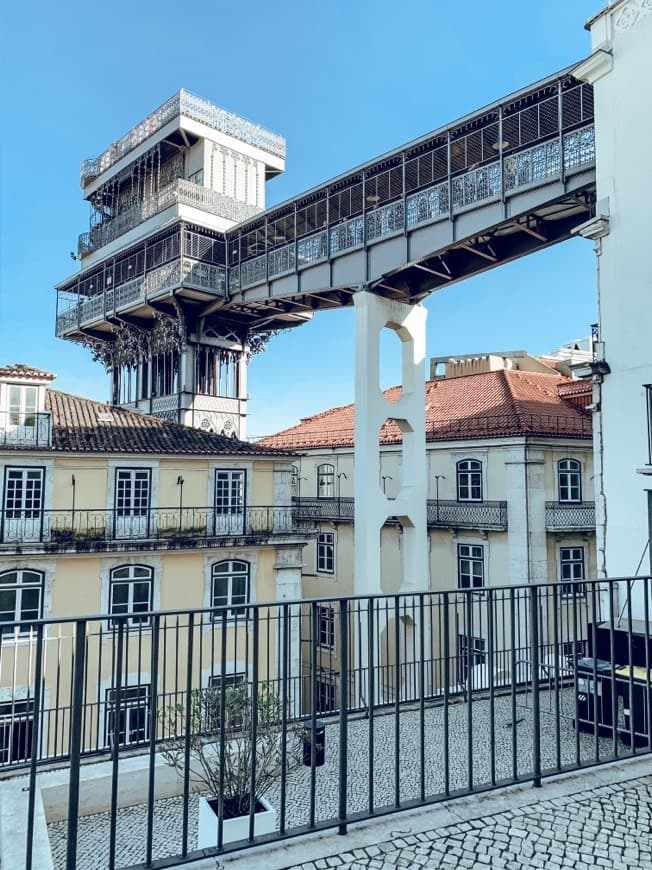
[(636, 689), (594, 696)]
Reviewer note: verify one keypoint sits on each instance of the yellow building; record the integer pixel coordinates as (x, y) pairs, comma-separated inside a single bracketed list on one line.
[(107, 511)]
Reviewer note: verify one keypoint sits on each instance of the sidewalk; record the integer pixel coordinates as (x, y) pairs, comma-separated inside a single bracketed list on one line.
[(600, 817)]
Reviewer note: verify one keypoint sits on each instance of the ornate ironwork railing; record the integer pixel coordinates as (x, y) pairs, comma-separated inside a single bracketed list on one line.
[(445, 513), (182, 271), (183, 103), (572, 516), (470, 515), (174, 527), (20, 429), (180, 191)]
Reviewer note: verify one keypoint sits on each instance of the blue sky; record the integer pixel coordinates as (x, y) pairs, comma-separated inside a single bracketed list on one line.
[(342, 81)]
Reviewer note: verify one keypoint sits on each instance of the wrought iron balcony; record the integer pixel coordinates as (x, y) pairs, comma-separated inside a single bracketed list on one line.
[(442, 513), (19, 429), (467, 515), (183, 103), (166, 527), (571, 516), (181, 192), (180, 272)]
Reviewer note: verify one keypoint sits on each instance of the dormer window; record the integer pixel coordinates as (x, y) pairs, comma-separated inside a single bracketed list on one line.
[(23, 418)]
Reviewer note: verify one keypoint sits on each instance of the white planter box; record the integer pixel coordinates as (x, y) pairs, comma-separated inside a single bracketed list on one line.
[(233, 829)]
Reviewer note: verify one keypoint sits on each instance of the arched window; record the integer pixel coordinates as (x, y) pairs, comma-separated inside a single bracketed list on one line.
[(21, 598), (570, 480), (131, 591), (230, 586), (469, 480), (326, 480)]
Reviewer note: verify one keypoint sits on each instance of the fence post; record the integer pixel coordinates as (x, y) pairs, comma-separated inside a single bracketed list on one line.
[(344, 678), (77, 702), (534, 659)]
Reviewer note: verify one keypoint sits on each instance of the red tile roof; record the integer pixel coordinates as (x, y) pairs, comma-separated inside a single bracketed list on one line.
[(486, 405), (20, 370), (85, 426)]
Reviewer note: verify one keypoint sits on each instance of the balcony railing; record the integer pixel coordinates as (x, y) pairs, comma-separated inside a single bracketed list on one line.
[(180, 272), (20, 429), (180, 192), (444, 513), (578, 516), (183, 103), (467, 515), (166, 526), (504, 662)]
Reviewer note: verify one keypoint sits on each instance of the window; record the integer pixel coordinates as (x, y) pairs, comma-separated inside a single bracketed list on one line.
[(197, 177), (22, 405), (229, 502), (573, 651), (469, 480), (230, 587), (16, 724), (326, 693), (236, 695), (21, 598), (571, 560), (132, 502), (570, 480), (473, 647), (470, 566), (294, 482), (326, 623), (326, 552), (131, 592), (23, 513), (132, 715), (326, 481)]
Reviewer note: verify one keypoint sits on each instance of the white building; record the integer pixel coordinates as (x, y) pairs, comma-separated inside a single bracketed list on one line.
[(620, 69)]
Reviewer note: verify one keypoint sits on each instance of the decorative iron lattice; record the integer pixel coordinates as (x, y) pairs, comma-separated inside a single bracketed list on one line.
[(184, 103), (567, 517)]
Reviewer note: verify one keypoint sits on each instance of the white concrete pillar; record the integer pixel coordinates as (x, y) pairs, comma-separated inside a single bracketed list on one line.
[(372, 507), (288, 567)]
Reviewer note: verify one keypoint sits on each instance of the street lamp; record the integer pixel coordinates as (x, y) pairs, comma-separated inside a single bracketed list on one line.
[(340, 475), (438, 477)]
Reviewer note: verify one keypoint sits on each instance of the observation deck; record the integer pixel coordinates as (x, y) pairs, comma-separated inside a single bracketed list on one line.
[(509, 179)]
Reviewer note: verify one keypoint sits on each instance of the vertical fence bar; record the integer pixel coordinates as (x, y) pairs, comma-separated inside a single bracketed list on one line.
[(422, 692), (534, 658), (397, 702), (468, 604), (115, 739), (314, 636), (648, 699), (285, 663), (153, 728), (222, 747), (344, 741), (446, 692), (187, 737), (555, 638), (75, 744), (612, 658), (36, 731), (492, 700), (370, 701), (254, 726)]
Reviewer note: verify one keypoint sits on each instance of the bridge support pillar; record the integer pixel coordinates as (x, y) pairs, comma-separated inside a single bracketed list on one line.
[(372, 507)]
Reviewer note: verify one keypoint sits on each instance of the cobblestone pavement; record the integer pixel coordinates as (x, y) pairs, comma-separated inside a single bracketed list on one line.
[(604, 827)]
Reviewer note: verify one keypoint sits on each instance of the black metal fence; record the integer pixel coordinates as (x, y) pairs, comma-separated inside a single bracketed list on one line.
[(421, 697)]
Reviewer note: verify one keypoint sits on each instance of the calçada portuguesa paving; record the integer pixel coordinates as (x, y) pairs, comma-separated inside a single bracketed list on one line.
[(591, 819)]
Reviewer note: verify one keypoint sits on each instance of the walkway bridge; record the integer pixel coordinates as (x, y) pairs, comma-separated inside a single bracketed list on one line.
[(509, 179)]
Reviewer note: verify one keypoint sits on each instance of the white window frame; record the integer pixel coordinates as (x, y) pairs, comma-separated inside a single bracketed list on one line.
[(18, 587), (17, 711), (567, 469), (325, 552), (478, 654), (572, 585), (465, 471), (471, 557), (130, 580), (325, 627), (326, 480), (240, 609), (128, 694)]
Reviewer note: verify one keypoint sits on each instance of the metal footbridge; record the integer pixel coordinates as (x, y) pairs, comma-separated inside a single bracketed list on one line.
[(509, 179)]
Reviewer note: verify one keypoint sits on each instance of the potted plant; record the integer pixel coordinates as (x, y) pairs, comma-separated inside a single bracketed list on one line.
[(229, 734)]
